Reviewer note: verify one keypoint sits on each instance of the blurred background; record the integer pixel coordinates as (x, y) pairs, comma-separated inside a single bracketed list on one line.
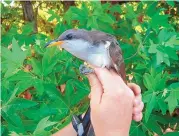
[(41, 88)]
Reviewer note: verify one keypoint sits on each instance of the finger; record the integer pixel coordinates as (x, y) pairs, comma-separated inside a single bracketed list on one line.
[(113, 72), (138, 109), (96, 90), (137, 100), (116, 75), (135, 88), (103, 75), (137, 117), (93, 80)]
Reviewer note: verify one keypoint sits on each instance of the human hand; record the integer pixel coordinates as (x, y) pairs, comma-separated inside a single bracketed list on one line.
[(111, 103), (138, 105)]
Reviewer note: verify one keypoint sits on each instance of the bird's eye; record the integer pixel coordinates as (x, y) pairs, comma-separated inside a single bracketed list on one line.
[(69, 36)]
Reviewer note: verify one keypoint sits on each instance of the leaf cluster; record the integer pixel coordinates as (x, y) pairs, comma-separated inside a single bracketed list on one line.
[(42, 88)]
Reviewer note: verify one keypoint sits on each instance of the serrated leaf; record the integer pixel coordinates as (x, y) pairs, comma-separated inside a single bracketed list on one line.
[(74, 92), (162, 106), (173, 98), (14, 58), (21, 75), (164, 35), (17, 104), (14, 121), (92, 22), (163, 19), (36, 66), (148, 82), (136, 130), (150, 105), (153, 47), (160, 81), (154, 125), (44, 123), (174, 40), (49, 60), (106, 18)]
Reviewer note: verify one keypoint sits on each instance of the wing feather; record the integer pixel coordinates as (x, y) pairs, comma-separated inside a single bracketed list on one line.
[(115, 54)]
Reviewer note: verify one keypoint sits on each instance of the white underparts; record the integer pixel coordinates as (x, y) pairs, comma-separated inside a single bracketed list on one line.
[(95, 55)]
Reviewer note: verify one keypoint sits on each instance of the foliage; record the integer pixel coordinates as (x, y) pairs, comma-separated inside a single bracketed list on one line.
[(42, 88)]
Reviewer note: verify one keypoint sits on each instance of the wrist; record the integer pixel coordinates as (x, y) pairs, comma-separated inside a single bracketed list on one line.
[(113, 133), (117, 134)]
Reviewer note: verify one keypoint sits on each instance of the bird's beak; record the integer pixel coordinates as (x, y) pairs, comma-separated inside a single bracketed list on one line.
[(54, 43)]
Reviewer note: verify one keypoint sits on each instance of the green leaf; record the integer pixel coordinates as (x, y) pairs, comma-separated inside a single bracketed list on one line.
[(14, 121), (49, 60), (171, 52), (163, 106), (92, 22), (36, 66), (171, 3), (165, 35), (14, 58), (136, 130), (160, 81), (17, 104), (130, 14), (21, 75), (39, 85), (153, 47), (106, 18), (163, 19), (75, 91), (151, 9), (173, 98), (27, 28), (171, 134), (154, 125), (116, 8), (150, 105), (43, 124), (149, 82), (174, 40)]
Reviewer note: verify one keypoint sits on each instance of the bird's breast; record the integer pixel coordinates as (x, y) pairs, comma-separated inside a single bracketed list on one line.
[(96, 55), (99, 56)]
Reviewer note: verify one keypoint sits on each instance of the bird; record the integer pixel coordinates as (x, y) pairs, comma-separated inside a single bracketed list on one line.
[(97, 48)]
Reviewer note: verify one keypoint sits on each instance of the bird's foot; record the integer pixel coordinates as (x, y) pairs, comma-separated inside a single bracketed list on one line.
[(84, 69)]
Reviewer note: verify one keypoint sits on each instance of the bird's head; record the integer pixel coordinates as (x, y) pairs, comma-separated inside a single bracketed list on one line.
[(69, 38), (75, 41)]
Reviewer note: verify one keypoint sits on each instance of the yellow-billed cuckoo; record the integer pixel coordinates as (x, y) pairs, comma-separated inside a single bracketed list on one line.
[(97, 48)]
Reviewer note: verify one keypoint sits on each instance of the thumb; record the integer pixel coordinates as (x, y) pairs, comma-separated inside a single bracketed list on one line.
[(96, 89)]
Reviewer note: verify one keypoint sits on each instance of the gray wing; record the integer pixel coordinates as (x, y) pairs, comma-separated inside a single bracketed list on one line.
[(98, 36), (115, 54)]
